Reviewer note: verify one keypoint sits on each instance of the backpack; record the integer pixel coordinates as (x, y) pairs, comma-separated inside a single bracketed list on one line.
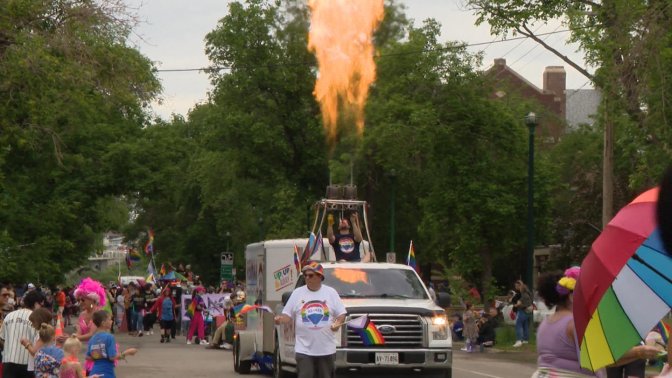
[(167, 312)]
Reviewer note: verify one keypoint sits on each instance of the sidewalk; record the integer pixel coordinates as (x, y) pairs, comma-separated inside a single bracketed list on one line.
[(524, 354)]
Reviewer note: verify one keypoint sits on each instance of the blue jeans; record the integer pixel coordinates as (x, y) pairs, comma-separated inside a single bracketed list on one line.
[(137, 320), (522, 325)]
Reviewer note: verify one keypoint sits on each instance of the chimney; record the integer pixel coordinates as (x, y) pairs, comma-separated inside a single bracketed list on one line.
[(500, 62), (555, 80)]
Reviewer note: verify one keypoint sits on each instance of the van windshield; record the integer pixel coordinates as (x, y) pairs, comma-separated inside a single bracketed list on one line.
[(375, 283)]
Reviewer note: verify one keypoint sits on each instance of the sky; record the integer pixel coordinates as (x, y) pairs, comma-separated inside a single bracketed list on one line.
[(171, 34)]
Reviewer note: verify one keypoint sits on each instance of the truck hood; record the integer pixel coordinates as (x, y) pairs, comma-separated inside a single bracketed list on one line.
[(408, 306)]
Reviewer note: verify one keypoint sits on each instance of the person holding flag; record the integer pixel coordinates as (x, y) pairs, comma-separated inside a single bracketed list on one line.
[(346, 243), (317, 312)]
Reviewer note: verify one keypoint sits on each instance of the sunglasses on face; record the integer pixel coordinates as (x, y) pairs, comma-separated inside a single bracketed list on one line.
[(5, 294)]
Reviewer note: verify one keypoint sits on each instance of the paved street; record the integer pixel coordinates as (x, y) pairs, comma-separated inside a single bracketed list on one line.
[(180, 360)]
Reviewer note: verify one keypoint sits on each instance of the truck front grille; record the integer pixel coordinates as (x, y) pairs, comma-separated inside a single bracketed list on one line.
[(398, 330)]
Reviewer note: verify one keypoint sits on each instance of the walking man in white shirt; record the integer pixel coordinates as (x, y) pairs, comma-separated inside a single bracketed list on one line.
[(15, 327), (317, 312)]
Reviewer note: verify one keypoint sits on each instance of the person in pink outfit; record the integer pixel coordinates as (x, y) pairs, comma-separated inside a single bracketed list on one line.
[(196, 309)]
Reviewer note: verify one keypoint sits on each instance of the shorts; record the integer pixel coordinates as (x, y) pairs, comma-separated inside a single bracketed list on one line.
[(166, 324)]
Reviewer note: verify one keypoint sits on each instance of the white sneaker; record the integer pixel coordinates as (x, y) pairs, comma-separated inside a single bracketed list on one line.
[(518, 344), (525, 342), (464, 349), (226, 346), (151, 332), (204, 342), (188, 342)]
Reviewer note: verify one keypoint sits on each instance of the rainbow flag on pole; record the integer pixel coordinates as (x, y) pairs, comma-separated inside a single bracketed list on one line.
[(367, 331), (410, 260), (149, 246), (297, 259)]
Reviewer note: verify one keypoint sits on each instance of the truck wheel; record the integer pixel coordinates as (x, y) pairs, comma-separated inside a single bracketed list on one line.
[(277, 362), (240, 367)]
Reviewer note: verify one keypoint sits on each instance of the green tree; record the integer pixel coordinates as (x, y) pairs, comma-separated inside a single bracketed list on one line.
[(71, 88)]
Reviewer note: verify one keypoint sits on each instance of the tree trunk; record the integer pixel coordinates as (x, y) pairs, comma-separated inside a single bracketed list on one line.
[(486, 276)]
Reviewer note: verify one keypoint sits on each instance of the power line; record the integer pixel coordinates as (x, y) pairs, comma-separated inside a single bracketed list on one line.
[(453, 47)]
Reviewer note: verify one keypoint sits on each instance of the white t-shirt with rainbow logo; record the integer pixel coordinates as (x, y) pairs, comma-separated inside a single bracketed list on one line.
[(314, 312)]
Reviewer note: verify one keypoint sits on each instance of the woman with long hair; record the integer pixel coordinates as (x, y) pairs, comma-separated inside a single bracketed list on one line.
[(524, 313)]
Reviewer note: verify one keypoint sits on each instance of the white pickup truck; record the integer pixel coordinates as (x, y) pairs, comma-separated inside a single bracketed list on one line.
[(415, 330)]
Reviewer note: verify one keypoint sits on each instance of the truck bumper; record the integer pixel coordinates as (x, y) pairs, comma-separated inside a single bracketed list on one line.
[(418, 360)]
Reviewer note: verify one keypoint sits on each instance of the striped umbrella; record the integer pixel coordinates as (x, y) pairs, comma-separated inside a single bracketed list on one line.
[(625, 286)]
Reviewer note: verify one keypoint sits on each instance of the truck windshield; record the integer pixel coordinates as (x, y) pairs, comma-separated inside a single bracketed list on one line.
[(375, 283)]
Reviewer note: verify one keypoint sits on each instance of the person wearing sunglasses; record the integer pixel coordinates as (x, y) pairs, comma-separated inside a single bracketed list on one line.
[(317, 312)]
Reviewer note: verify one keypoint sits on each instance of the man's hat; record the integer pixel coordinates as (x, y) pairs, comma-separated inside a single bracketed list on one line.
[(313, 266)]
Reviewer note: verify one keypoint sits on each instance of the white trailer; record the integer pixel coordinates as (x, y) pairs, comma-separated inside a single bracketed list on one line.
[(269, 272)]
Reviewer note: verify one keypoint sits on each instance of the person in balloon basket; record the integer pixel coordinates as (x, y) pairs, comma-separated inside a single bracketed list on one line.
[(317, 313), (557, 347), (346, 243)]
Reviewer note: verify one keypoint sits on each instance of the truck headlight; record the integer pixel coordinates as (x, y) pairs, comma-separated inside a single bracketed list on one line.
[(439, 320)]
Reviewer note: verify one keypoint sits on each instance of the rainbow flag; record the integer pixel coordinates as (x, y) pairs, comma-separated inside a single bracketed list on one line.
[(243, 309), (162, 270), (410, 260), (310, 246), (134, 255), (297, 259), (664, 330), (191, 309), (367, 331), (149, 246)]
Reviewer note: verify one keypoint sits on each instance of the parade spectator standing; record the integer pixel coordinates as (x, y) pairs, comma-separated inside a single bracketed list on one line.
[(346, 243), (120, 307), (138, 310), (102, 348), (70, 365), (128, 304), (470, 331), (48, 358), (197, 321), (17, 326), (315, 345), (524, 309), (165, 309), (38, 317), (149, 318), (176, 294), (60, 301)]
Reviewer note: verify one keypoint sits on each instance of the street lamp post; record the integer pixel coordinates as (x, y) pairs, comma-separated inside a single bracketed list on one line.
[(228, 237), (531, 122)]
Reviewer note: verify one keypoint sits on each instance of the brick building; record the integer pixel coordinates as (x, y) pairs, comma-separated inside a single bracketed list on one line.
[(563, 109)]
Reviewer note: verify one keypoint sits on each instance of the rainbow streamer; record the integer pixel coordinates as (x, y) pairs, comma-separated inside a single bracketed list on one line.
[(664, 330), (162, 270), (410, 260), (297, 259), (368, 333), (149, 247)]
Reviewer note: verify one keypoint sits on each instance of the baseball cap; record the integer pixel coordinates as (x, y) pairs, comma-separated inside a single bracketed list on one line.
[(313, 266), (31, 286)]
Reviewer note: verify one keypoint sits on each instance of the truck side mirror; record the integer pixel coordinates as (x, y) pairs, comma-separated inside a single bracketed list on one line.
[(285, 297), (443, 299)]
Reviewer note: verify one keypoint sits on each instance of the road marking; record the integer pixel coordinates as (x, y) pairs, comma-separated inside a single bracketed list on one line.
[(477, 373)]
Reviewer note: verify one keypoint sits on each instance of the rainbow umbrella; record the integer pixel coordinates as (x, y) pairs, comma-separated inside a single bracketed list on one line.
[(625, 286)]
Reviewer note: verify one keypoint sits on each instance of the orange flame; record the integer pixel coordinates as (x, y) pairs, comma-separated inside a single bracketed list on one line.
[(341, 37)]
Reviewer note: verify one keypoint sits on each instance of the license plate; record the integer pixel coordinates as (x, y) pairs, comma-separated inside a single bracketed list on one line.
[(387, 358)]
